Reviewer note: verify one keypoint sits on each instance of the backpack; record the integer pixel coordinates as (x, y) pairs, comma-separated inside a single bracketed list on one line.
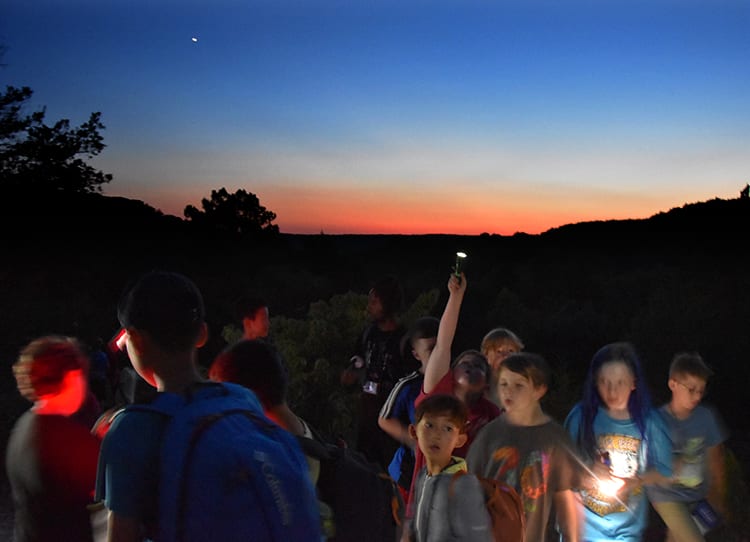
[(366, 503), (228, 473), (504, 506)]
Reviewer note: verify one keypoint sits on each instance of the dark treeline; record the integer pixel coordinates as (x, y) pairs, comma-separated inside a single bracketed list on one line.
[(679, 280)]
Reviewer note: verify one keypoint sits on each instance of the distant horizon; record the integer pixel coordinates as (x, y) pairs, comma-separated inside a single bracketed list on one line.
[(400, 116), (318, 232)]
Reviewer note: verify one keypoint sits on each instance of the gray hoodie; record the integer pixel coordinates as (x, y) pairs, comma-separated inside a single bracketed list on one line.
[(445, 514)]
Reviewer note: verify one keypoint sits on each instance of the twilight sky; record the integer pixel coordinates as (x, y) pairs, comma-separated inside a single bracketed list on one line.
[(403, 116)]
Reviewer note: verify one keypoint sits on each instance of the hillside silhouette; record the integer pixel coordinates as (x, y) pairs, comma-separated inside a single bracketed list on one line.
[(66, 258), (678, 280)]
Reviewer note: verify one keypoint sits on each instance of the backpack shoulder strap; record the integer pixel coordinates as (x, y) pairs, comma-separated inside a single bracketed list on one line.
[(313, 448)]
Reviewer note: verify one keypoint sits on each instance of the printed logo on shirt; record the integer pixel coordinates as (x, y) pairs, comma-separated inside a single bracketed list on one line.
[(623, 454), (689, 465), (528, 478)]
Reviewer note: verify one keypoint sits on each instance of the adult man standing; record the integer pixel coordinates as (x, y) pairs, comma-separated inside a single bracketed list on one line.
[(376, 366)]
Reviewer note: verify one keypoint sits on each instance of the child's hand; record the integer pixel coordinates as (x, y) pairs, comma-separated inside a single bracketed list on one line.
[(630, 485), (653, 477), (456, 285), (599, 472)]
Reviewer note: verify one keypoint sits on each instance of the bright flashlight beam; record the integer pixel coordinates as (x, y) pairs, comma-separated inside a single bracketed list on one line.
[(603, 485), (611, 487)]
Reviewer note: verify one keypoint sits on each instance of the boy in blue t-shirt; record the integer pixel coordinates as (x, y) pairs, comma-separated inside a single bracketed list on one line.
[(697, 435)]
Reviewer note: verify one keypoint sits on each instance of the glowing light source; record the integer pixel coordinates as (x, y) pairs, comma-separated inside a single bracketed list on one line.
[(610, 486), (194, 39), (460, 257), (119, 340)]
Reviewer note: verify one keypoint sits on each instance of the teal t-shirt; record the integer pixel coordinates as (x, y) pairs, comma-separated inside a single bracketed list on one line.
[(691, 440), (607, 517)]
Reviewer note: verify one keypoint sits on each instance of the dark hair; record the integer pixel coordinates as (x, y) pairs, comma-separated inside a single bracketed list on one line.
[(256, 365), (443, 405), (689, 363), (639, 402), (531, 366), (425, 327), (165, 304), (43, 363), (388, 289), (478, 356), (247, 305)]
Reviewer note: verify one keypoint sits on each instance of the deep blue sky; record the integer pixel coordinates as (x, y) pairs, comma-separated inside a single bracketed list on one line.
[(408, 116)]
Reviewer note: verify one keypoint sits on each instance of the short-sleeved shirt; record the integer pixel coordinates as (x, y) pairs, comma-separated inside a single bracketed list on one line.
[(400, 405), (381, 351), (537, 461), (128, 476), (691, 440), (608, 517), (51, 465)]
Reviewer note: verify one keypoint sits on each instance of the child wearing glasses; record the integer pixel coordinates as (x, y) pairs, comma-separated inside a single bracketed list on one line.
[(694, 501)]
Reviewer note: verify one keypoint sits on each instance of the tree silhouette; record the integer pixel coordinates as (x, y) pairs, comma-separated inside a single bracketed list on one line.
[(39, 159), (238, 214)]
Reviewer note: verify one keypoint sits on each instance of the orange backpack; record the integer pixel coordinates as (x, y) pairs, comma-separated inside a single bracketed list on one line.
[(504, 506)]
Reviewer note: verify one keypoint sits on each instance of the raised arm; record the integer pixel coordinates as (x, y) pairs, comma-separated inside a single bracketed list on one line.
[(440, 358)]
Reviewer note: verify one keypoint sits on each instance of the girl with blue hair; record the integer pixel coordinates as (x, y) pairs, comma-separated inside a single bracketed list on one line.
[(622, 441)]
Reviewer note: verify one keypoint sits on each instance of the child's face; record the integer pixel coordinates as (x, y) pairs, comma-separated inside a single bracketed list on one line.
[(422, 348), (614, 383), (516, 392), (437, 436), (687, 391), (259, 325), (469, 373), (497, 353)]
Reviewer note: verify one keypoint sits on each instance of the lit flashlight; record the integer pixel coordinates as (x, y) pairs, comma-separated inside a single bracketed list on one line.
[(120, 340), (460, 257), (610, 486)]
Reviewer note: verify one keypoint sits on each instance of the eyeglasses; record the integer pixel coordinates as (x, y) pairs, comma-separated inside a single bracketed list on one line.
[(700, 392)]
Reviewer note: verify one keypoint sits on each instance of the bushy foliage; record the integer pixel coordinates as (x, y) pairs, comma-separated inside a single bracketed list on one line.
[(235, 215), (41, 159), (318, 347)]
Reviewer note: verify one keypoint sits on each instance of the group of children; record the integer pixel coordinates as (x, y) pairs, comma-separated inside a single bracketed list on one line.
[(590, 478)]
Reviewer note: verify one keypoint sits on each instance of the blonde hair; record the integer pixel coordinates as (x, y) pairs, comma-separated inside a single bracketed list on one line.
[(497, 336)]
